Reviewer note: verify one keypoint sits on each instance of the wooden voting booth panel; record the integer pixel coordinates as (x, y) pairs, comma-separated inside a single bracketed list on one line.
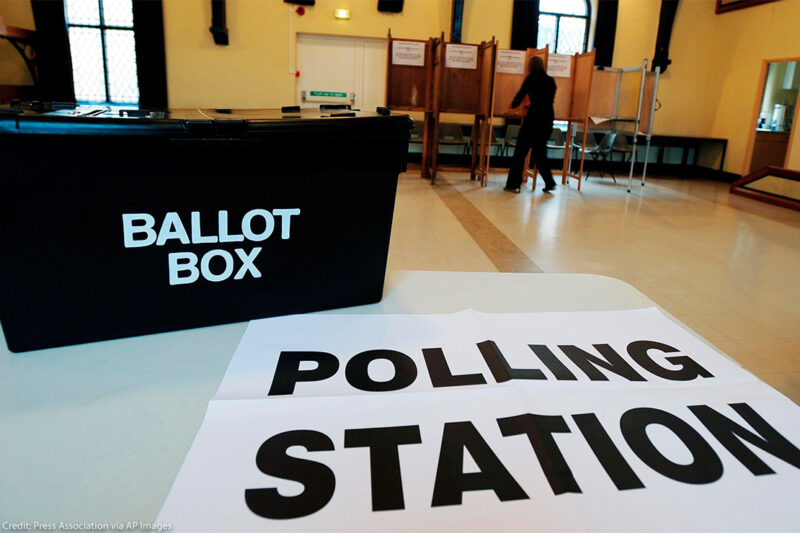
[(648, 97), (460, 88), (408, 74), (582, 69), (604, 93), (482, 126), (462, 83), (581, 86), (630, 85)]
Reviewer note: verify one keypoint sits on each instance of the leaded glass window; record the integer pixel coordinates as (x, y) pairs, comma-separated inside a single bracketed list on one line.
[(103, 51), (564, 25)]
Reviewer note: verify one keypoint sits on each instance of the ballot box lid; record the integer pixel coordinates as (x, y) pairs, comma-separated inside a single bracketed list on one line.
[(201, 123)]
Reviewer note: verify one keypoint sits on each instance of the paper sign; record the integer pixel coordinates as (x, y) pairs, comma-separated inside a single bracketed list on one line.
[(461, 56), (408, 53), (484, 422), (494, 460), (467, 343), (511, 61), (559, 65)]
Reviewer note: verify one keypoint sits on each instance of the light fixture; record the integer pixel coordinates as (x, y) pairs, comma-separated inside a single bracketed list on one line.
[(341, 13)]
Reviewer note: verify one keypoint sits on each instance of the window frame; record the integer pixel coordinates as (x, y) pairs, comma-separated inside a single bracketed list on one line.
[(587, 17), (102, 26)]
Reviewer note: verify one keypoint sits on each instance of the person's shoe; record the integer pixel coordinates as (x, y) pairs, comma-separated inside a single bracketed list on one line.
[(549, 188), (510, 189)]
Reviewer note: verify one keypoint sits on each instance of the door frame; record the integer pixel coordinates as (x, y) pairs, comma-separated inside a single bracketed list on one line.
[(297, 36), (751, 138)]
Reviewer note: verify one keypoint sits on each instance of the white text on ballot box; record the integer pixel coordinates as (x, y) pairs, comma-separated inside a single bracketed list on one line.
[(474, 421)]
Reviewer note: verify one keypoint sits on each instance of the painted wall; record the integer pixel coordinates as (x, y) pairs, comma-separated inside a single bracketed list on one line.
[(12, 68), (257, 68), (777, 37), (710, 89)]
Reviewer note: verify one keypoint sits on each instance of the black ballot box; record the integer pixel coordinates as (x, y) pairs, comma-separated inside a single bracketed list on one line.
[(115, 225)]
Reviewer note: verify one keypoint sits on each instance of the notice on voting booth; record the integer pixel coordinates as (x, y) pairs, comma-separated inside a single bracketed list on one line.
[(461, 56), (511, 61), (559, 65), (603, 421), (408, 53)]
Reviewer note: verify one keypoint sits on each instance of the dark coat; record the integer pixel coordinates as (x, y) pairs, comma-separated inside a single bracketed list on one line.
[(541, 90)]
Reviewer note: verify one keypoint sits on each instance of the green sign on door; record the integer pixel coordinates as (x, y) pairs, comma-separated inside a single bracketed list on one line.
[(328, 94)]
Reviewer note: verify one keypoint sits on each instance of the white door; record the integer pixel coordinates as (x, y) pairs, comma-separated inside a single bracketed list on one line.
[(341, 70)]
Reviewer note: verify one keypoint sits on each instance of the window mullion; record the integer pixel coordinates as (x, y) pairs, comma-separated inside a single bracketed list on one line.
[(558, 25), (103, 45)]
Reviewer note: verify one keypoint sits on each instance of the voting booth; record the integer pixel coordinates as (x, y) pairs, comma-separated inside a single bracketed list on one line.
[(115, 226), (510, 71), (409, 84), (623, 101), (462, 84), (573, 77), (454, 78)]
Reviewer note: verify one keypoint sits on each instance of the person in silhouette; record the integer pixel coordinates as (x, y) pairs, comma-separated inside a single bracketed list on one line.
[(537, 126)]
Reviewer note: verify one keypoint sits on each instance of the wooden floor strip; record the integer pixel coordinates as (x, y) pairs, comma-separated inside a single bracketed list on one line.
[(505, 255)]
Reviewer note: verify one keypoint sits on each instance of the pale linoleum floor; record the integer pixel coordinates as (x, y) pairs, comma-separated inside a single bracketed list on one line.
[(727, 267)]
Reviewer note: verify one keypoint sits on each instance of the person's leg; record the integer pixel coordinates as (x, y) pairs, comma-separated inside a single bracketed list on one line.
[(539, 157), (524, 142)]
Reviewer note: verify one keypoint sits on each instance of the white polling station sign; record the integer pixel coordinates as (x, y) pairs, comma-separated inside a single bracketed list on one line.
[(477, 422)]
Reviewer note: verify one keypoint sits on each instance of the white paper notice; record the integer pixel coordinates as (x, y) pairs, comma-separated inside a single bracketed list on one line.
[(487, 422), (408, 53), (559, 65), (511, 61), (468, 343), (461, 56)]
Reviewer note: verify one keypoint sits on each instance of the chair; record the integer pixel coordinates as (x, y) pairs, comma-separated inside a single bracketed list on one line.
[(621, 146), (493, 142), (450, 135), (556, 141), (512, 132), (416, 133), (602, 153)]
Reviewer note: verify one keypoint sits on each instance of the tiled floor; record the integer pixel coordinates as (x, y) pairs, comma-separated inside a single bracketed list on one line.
[(727, 267)]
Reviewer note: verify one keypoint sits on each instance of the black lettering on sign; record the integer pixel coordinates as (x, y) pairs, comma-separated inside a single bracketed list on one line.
[(607, 453), (588, 363), (731, 435), (705, 466), (689, 368), (288, 373), (384, 461), (440, 373), (405, 371), (318, 480), (451, 481), (539, 430), (546, 356), (500, 368)]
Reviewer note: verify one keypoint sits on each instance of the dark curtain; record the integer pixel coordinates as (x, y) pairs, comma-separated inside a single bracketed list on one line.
[(52, 52), (524, 24), (665, 21), (148, 28), (605, 32)]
